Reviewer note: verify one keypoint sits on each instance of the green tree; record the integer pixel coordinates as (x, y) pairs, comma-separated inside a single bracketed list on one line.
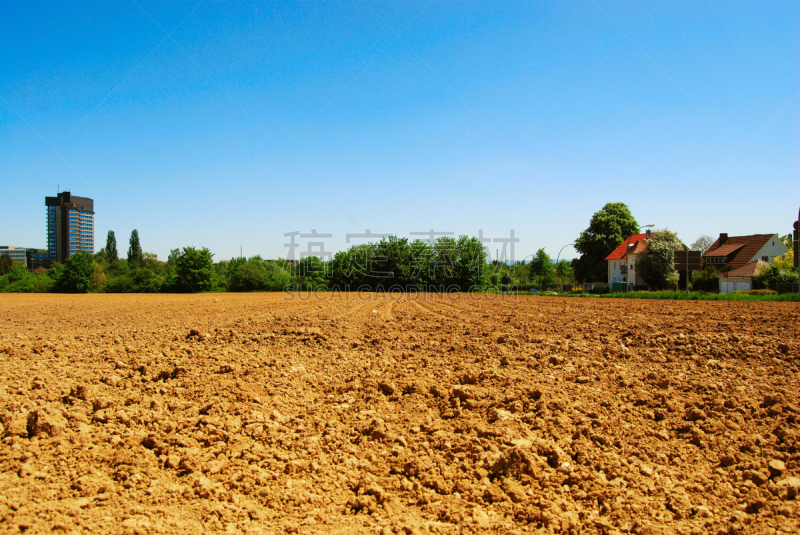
[(150, 261), (607, 229), (564, 271), (785, 262), (195, 270), (76, 274), (542, 266), (225, 270), (248, 275), (17, 273), (470, 263), (135, 250), (5, 264), (111, 247), (657, 267), (443, 261), (313, 272)]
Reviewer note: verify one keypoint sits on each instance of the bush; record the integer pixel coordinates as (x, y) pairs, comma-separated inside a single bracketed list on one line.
[(773, 275), (251, 276), (672, 282), (754, 292), (705, 280), (17, 273), (257, 275), (75, 277), (32, 284), (140, 280)]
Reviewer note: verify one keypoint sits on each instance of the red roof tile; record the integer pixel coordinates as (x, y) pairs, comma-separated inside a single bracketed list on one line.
[(748, 247), (622, 250)]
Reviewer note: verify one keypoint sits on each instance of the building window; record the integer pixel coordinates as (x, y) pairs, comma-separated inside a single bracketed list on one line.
[(765, 258)]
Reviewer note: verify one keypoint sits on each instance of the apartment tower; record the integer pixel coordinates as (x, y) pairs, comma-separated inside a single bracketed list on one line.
[(70, 225)]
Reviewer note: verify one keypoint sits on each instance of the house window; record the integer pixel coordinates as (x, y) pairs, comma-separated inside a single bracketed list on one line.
[(765, 258)]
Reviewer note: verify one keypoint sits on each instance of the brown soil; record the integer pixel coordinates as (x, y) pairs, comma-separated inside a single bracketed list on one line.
[(250, 413)]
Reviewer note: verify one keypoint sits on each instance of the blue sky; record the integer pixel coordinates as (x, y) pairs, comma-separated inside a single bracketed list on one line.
[(223, 126)]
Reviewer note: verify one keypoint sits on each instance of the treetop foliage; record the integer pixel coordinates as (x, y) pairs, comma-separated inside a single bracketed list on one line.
[(657, 267), (702, 243), (135, 250), (5, 263), (608, 228), (111, 247)]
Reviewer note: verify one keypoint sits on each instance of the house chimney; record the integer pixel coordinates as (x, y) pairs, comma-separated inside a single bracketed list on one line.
[(647, 234), (723, 237)]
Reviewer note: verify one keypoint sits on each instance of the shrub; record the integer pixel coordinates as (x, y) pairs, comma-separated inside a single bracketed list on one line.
[(75, 277), (251, 276), (17, 273), (32, 284), (773, 275), (705, 280), (755, 292), (140, 280)]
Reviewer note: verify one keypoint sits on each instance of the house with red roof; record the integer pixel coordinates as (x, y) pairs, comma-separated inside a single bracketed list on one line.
[(622, 264), (739, 251)]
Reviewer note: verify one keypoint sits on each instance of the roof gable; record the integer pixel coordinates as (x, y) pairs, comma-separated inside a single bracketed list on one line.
[(622, 250)]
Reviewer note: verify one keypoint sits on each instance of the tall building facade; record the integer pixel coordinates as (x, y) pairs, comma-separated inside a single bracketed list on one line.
[(70, 225)]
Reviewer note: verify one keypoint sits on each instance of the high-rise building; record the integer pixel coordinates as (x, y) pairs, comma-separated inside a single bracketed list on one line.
[(70, 225)]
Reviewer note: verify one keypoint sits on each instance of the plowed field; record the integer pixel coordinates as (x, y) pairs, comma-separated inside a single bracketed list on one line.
[(257, 414)]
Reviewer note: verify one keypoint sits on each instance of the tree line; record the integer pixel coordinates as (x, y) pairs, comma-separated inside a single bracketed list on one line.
[(447, 264)]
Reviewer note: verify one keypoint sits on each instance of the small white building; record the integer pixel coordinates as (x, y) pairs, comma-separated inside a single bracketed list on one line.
[(740, 278)]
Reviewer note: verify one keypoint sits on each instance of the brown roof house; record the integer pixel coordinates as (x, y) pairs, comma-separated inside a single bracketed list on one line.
[(741, 278), (739, 251)]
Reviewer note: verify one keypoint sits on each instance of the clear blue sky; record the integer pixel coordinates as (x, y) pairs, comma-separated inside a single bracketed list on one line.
[(221, 126)]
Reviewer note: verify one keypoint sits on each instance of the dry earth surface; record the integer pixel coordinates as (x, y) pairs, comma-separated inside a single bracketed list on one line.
[(257, 414)]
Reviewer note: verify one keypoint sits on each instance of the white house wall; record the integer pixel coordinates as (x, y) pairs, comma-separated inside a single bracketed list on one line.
[(773, 248), (615, 273)]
